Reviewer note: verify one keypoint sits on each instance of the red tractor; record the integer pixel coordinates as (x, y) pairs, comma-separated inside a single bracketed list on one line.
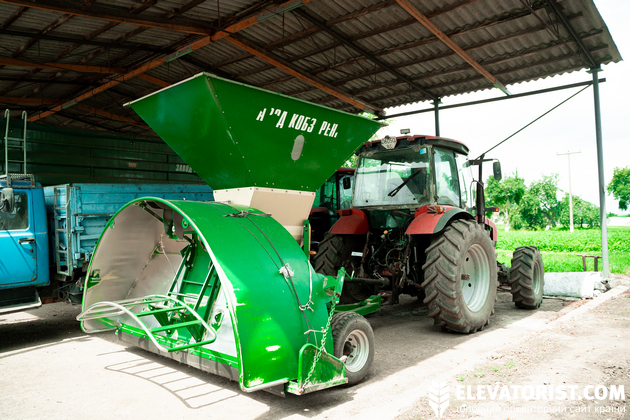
[(415, 227)]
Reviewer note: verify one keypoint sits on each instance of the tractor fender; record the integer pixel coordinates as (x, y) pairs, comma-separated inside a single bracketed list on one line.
[(426, 222), (351, 222)]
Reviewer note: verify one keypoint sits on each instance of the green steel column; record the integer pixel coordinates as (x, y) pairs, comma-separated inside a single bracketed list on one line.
[(600, 170), (436, 113)]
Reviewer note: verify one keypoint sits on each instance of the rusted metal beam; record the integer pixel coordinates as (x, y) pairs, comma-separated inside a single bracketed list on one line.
[(346, 41), (116, 16), (154, 80), (287, 68), (15, 16), (59, 66), (37, 101), (246, 23), (109, 115), (298, 36), (413, 11), (497, 20)]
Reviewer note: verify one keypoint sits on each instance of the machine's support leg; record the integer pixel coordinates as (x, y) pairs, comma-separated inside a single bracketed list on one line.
[(600, 170)]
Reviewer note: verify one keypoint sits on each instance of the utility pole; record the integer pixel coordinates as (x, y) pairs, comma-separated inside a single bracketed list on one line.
[(570, 192)]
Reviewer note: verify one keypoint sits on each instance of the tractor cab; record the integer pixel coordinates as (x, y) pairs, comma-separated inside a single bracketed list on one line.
[(413, 171)]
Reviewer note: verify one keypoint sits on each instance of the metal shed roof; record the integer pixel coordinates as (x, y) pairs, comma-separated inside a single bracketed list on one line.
[(75, 63)]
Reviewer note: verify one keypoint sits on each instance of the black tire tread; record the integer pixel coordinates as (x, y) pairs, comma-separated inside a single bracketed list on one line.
[(440, 277), (333, 250), (521, 278)]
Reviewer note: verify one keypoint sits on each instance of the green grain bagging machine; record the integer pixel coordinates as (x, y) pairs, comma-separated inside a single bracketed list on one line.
[(227, 286)]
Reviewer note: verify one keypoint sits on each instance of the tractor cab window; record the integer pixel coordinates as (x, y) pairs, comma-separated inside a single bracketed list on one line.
[(446, 177), (18, 218), (326, 196), (397, 177)]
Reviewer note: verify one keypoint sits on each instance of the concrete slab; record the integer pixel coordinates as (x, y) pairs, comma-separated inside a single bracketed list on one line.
[(578, 285), (49, 367)]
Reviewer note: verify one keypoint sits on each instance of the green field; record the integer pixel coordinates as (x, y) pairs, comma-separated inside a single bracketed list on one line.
[(560, 249)]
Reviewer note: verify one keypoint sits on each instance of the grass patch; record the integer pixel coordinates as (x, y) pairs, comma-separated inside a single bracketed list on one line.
[(560, 248)]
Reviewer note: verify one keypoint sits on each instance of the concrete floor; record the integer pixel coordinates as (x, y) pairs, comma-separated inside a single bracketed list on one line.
[(49, 367)]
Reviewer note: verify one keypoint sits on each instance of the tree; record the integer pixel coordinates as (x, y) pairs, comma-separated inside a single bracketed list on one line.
[(505, 194), (530, 213), (546, 191), (619, 187), (584, 213)]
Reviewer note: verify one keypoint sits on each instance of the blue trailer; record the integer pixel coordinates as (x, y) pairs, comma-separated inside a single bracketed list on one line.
[(48, 234)]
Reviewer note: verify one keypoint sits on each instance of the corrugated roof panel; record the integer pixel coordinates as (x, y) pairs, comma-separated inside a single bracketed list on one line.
[(510, 41)]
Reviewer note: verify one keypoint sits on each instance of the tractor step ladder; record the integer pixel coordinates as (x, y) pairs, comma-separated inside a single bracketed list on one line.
[(15, 144), (172, 311), (63, 229)]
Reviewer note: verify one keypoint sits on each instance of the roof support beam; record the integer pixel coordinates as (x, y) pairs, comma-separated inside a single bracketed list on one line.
[(346, 41), (58, 66), (109, 115), (27, 101), (567, 25), (238, 26), (115, 16), (72, 39), (413, 11), (78, 68), (287, 68)]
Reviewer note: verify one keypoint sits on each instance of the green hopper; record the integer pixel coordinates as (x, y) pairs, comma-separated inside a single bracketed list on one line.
[(227, 286)]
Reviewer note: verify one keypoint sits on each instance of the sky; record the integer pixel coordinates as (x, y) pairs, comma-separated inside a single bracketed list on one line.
[(571, 127)]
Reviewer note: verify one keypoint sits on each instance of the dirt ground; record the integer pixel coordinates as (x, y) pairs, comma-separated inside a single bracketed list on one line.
[(589, 349), (51, 368)]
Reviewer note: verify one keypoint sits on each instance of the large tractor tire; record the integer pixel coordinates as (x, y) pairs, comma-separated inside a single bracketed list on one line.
[(353, 339), (460, 277), (527, 277), (333, 251)]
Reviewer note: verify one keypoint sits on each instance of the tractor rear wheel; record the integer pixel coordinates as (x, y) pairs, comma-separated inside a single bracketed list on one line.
[(460, 277), (353, 339), (527, 277), (334, 251)]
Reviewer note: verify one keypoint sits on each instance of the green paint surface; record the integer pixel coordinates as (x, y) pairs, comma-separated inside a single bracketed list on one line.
[(234, 135)]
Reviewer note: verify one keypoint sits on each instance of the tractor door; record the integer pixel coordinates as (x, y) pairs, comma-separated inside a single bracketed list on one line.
[(447, 190)]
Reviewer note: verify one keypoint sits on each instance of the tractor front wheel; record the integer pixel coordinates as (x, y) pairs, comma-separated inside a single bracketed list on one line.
[(527, 277), (460, 277), (353, 339)]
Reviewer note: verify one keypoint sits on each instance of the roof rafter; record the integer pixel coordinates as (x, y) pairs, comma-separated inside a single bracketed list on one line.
[(413, 11), (469, 29), (136, 8), (114, 15), (298, 36), (238, 26), (346, 41), (78, 68), (288, 68), (569, 28)]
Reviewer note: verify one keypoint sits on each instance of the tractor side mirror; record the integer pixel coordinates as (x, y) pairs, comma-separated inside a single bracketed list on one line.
[(496, 168), (7, 200), (346, 182)]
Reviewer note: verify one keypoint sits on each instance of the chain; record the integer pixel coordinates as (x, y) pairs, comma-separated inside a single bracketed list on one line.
[(322, 347)]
